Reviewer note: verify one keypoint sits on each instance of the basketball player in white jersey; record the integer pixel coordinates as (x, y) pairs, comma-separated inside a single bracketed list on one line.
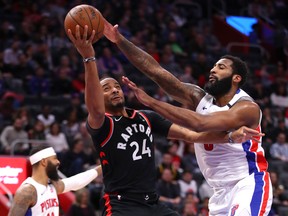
[(237, 172), (38, 194)]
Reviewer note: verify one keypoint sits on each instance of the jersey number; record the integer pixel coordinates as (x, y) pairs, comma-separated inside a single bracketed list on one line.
[(208, 147), (145, 150), (52, 214)]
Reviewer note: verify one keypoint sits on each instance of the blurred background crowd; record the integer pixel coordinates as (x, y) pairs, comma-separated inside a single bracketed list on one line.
[(42, 83)]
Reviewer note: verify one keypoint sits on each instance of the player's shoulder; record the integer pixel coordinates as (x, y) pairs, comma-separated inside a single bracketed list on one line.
[(26, 192), (246, 104)]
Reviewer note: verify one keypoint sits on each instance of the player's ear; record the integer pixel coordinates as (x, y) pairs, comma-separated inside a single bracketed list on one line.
[(43, 162), (237, 78)]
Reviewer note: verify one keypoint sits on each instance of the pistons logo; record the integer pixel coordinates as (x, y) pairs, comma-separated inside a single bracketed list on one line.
[(233, 210)]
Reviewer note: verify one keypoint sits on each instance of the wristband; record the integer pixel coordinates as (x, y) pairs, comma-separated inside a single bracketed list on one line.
[(230, 140), (85, 60)]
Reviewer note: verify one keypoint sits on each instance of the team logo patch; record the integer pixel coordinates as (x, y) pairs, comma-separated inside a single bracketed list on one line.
[(233, 210)]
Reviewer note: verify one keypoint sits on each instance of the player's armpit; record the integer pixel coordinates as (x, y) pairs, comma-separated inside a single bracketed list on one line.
[(25, 197)]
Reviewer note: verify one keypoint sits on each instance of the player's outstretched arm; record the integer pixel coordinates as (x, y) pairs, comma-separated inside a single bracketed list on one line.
[(187, 94), (244, 113), (24, 198), (238, 136), (78, 181)]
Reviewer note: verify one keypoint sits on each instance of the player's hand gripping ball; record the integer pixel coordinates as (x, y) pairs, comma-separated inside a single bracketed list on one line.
[(85, 15)]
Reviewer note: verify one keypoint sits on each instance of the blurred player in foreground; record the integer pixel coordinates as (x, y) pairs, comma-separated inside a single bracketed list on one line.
[(38, 194)]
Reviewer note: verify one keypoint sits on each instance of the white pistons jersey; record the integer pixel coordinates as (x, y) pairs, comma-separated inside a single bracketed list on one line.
[(225, 164), (237, 172), (47, 200)]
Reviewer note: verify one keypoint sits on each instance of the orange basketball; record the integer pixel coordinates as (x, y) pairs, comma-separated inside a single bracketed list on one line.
[(85, 15)]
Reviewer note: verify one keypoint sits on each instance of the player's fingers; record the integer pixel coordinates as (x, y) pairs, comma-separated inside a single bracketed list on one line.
[(84, 37), (250, 130), (92, 36), (78, 36), (70, 35)]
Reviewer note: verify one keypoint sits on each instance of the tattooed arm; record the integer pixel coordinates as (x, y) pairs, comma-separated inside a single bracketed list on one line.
[(25, 197), (185, 93)]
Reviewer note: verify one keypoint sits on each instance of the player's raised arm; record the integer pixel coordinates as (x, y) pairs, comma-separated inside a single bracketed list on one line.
[(94, 99), (187, 94)]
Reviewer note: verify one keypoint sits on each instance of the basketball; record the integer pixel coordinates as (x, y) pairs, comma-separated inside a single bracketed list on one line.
[(85, 15)]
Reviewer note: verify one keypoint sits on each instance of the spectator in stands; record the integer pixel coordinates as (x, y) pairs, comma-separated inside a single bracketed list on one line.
[(108, 64), (62, 84), (78, 83), (86, 138), (39, 85), (205, 190), (25, 115), (187, 183), (37, 132), (279, 127), (96, 189), (189, 160), (7, 108), (75, 160), (167, 61), (14, 132), (189, 209), (187, 76), (70, 126), (260, 93), (204, 210), (82, 205), (279, 149), (46, 117), (56, 138), (11, 54), (23, 70), (77, 106), (279, 97), (169, 190), (280, 198), (191, 198), (64, 67), (166, 163)]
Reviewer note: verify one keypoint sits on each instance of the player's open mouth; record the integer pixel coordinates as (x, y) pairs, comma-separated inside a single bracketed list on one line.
[(212, 79), (116, 98)]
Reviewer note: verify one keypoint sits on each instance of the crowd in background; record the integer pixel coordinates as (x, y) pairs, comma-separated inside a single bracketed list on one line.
[(42, 85)]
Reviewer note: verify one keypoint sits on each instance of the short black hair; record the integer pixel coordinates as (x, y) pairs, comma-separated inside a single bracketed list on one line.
[(239, 67)]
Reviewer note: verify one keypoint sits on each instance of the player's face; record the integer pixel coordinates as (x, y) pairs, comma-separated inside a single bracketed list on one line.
[(220, 79), (113, 94), (52, 168)]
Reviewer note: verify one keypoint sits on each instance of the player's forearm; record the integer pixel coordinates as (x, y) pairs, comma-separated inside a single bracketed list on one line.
[(94, 98), (178, 115), (211, 137), (80, 180), (148, 65)]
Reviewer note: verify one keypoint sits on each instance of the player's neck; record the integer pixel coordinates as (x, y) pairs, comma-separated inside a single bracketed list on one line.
[(225, 99), (118, 112), (40, 177)]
